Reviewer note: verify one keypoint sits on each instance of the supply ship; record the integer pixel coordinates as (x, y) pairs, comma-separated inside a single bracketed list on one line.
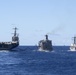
[(45, 45), (10, 45), (73, 45)]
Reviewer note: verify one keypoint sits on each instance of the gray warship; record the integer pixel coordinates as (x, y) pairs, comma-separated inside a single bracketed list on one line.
[(45, 44), (10, 45)]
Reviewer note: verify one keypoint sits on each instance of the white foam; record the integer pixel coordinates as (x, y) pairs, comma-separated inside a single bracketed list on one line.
[(73, 50), (43, 50), (4, 51)]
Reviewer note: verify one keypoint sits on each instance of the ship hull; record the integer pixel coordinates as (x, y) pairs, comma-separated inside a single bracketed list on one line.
[(45, 45), (8, 46)]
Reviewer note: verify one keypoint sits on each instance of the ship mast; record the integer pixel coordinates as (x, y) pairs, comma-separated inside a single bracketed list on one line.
[(74, 39), (15, 31)]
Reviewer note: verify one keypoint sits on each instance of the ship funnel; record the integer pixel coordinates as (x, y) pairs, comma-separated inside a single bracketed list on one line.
[(46, 37)]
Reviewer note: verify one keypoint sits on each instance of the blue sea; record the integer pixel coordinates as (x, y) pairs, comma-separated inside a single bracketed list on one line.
[(27, 60)]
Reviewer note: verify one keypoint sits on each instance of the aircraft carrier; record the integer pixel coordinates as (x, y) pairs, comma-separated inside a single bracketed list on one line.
[(10, 45)]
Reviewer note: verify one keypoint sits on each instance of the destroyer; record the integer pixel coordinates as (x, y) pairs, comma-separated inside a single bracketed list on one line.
[(45, 44), (10, 45)]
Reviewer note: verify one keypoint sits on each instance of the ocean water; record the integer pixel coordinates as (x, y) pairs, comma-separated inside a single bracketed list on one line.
[(27, 60)]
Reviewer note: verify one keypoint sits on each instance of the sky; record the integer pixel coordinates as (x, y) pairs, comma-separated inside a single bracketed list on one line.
[(35, 18)]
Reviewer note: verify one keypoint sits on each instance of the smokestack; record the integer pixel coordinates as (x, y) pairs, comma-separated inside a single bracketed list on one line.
[(46, 37)]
